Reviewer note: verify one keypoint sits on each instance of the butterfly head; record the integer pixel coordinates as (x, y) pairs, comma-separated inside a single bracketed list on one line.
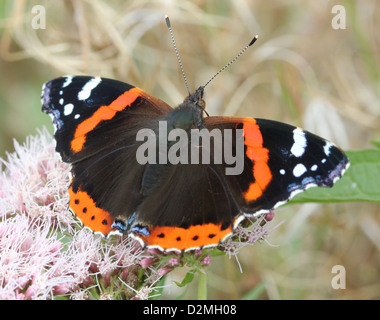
[(196, 99)]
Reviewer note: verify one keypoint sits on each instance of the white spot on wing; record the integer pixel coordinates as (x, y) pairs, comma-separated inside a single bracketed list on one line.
[(326, 148), (68, 109), (300, 143), (314, 167), (88, 87), (67, 81), (299, 170)]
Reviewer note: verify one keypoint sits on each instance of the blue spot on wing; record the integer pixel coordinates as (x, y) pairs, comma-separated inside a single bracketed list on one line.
[(141, 230)]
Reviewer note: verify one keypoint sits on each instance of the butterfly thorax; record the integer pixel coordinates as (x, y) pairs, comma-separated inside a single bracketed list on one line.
[(188, 115)]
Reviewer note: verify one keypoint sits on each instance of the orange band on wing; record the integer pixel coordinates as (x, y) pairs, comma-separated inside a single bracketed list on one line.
[(102, 114), (178, 238), (93, 217), (260, 156)]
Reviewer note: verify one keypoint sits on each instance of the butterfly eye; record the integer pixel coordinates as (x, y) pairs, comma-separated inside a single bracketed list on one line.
[(202, 104)]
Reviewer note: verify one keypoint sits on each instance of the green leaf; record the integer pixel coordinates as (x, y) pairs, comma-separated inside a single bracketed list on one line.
[(216, 253), (375, 143), (361, 182), (61, 298), (187, 279)]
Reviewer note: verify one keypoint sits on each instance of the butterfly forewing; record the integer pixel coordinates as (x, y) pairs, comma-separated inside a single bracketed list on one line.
[(280, 161), (91, 113)]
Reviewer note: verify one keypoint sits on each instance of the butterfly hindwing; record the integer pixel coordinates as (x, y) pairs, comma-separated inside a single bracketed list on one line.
[(204, 217)]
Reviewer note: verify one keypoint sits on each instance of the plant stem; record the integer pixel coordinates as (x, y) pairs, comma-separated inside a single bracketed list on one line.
[(202, 286)]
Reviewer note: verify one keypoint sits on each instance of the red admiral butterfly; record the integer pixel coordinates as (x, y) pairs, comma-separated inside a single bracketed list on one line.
[(181, 206)]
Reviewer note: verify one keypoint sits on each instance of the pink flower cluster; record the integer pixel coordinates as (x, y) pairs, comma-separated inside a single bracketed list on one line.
[(244, 235), (45, 253)]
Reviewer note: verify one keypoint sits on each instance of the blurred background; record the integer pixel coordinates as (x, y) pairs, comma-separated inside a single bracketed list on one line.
[(315, 65)]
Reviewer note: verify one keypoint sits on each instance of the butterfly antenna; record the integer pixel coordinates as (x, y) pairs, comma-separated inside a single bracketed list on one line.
[(233, 60), (176, 51)]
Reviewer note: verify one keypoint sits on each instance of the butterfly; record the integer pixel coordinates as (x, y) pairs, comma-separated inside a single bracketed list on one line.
[(182, 206), (173, 178)]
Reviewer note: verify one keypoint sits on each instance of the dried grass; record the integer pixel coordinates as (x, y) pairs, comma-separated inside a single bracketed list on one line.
[(300, 70)]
